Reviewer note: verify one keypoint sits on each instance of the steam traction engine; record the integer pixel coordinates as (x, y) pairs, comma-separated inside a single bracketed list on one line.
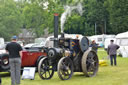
[(70, 53)]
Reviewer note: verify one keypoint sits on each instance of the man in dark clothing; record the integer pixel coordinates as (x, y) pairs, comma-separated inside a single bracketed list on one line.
[(112, 48), (14, 50), (94, 46)]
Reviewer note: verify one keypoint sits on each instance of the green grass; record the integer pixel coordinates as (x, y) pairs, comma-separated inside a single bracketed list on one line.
[(107, 75)]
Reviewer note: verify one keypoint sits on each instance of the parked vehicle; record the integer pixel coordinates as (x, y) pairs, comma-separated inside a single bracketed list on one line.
[(122, 41), (3, 56), (30, 57), (69, 53), (39, 40), (27, 46)]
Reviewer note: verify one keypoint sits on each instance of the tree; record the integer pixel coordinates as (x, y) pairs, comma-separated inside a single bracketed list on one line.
[(118, 18), (74, 25), (95, 12), (37, 18), (10, 19)]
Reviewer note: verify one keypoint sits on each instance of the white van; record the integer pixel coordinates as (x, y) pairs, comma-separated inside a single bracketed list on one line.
[(122, 41)]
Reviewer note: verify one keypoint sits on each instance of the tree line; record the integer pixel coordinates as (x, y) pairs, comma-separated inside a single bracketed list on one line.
[(98, 17)]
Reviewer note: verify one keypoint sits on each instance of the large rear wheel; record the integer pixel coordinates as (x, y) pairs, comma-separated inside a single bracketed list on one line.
[(65, 68), (90, 63), (45, 70)]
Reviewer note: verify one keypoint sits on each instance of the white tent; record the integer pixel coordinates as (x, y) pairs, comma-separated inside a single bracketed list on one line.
[(122, 41), (122, 35)]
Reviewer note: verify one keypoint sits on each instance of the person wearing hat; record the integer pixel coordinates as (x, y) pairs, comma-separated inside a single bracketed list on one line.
[(94, 46), (14, 49)]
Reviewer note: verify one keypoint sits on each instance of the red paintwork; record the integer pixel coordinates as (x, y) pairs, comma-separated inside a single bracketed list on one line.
[(30, 58)]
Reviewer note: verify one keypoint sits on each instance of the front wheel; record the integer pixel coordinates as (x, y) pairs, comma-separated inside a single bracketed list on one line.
[(45, 70), (65, 68)]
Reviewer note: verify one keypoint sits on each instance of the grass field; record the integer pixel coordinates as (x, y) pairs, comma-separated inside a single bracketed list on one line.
[(107, 75)]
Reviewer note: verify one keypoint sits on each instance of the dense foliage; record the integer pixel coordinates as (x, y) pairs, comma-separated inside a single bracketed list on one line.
[(99, 16)]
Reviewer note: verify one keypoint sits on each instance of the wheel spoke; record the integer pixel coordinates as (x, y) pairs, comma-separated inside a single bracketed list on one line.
[(68, 72), (89, 61), (42, 72), (69, 64), (45, 75), (63, 63), (49, 72)]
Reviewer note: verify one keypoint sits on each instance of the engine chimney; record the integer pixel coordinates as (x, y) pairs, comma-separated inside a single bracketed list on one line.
[(56, 30)]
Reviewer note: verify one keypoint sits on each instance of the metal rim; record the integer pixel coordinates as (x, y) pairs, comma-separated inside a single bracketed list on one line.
[(5, 61), (65, 68), (45, 70), (90, 63)]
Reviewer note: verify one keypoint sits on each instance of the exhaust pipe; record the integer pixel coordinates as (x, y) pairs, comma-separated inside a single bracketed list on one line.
[(56, 30)]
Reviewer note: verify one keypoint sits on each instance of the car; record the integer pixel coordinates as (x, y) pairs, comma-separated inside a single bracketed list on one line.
[(4, 61), (30, 57)]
